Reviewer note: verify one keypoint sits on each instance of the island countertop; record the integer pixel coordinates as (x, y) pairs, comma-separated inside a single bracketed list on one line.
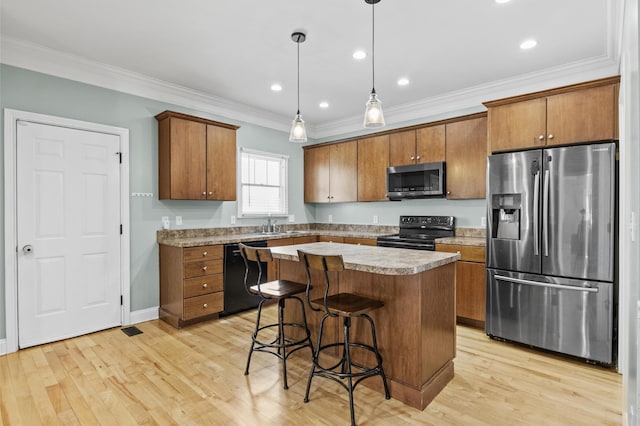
[(378, 260)]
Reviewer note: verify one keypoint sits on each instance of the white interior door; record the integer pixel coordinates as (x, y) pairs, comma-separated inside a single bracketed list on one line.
[(68, 232)]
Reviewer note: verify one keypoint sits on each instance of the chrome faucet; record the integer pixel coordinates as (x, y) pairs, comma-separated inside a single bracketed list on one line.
[(271, 225)]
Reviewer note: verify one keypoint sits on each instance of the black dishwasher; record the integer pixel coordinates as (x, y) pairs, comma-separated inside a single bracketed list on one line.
[(236, 298)]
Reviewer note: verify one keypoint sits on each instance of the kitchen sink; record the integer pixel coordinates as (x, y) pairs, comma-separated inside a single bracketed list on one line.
[(283, 232)]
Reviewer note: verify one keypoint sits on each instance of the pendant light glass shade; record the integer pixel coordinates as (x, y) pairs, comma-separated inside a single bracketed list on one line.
[(373, 116), (298, 133)]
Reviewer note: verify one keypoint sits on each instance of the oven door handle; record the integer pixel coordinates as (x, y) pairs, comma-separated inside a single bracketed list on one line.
[(418, 246)]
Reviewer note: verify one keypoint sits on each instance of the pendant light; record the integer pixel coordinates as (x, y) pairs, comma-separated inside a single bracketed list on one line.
[(298, 132), (373, 116)]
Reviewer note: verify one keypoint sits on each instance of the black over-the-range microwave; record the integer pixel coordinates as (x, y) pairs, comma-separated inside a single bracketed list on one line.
[(416, 181)]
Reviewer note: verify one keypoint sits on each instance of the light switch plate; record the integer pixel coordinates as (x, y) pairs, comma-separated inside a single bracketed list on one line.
[(483, 221), (233, 220), (375, 218), (330, 219), (292, 218)]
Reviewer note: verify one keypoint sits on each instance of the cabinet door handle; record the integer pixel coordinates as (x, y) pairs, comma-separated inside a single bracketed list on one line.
[(541, 137), (204, 253), (205, 285), (204, 268), (448, 192), (413, 158), (210, 193), (205, 306), (550, 135), (204, 194), (418, 157)]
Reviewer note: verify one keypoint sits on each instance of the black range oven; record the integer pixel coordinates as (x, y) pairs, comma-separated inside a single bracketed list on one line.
[(419, 232)]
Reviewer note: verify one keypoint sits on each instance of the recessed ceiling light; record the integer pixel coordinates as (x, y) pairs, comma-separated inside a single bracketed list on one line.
[(528, 44), (503, 1), (324, 105), (359, 55), (276, 87), (403, 81)]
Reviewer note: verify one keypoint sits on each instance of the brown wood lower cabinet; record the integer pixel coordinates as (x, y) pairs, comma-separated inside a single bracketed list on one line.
[(470, 283), (191, 283)]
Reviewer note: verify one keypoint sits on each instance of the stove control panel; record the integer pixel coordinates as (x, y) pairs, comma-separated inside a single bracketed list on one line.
[(427, 221)]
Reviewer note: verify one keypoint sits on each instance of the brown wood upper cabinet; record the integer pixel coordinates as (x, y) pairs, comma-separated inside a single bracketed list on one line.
[(196, 158), (423, 145), (373, 160), (466, 156), (330, 173), (581, 113)]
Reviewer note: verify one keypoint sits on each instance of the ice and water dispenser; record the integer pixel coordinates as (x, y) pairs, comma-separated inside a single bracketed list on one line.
[(506, 216)]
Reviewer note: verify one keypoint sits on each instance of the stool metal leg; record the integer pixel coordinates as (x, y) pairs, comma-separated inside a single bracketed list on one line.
[(281, 341), (347, 356), (378, 357), (316, 355), (253, 337)]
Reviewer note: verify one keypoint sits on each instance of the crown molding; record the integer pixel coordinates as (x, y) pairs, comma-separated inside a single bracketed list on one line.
[(471, 99), (45, 60), (41, 59)]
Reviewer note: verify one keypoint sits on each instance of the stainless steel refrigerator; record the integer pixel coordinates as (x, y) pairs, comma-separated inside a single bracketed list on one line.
[(551, 249)]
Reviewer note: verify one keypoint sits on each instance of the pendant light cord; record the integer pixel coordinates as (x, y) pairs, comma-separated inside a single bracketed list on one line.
[(298, 43), (373, 46)]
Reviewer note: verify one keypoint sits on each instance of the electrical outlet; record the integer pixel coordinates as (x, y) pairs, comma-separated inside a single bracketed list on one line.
[(166, 224), (483, 221), (330, 219), (292, 218), (233, 220), (375, 218), (178, 220)]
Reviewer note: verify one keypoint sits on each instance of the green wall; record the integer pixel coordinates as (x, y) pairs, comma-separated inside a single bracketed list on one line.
[(30, 91)]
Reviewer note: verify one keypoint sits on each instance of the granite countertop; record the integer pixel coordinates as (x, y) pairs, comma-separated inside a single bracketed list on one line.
[(463, 241), (194, 240), (211, 236), (378, 260)]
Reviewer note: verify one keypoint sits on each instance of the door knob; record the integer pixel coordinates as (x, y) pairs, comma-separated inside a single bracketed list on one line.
[(27, 249)]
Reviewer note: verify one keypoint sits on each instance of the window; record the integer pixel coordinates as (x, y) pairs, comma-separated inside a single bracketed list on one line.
[(263, 184)]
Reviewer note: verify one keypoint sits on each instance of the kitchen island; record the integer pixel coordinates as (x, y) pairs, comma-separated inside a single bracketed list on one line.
[(415, 328)]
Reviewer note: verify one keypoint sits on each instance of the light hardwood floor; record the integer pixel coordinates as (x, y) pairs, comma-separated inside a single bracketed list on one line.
[(195, 376)]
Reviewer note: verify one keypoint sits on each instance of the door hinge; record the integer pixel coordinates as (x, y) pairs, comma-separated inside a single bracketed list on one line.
[(119, 154), (120, 229), (121, 300)]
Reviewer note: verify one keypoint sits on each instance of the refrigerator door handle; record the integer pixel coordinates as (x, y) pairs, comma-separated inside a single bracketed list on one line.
[(536, 212), (539, 284), (545, 214)]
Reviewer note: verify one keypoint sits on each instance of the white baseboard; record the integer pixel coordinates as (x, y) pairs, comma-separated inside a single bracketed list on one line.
[(143, 315), (136, 317)]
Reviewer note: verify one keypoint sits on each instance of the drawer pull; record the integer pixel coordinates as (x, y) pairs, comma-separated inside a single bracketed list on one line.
[(204, 253), (205, 285), (204, 268), (205, 306)]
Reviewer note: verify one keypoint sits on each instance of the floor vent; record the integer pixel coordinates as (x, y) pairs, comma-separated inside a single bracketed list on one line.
[(131, 331)]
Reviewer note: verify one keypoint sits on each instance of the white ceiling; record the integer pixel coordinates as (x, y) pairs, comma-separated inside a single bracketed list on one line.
[(226, 54)]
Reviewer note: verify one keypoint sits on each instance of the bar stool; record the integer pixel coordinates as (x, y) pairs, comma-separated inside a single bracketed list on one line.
[(280, 290), (346, 306)]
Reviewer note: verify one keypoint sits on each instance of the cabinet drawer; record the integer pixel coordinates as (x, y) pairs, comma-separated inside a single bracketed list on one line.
[(305, 239), (198, 306), (468, 253), (202, 268), (360, 241), (202, 285), (202, 253)]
